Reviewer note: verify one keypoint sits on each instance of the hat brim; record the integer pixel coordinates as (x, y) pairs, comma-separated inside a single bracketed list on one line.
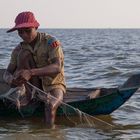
[(24, 25)]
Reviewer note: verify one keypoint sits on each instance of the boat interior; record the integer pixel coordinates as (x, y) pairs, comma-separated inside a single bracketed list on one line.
[(76, 94)]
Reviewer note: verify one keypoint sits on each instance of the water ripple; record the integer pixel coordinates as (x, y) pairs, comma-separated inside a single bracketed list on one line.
[(93, 58)]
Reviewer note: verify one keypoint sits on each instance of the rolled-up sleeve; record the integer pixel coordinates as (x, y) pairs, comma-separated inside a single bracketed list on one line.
[(56, 52), (14, 55), (13, 58)]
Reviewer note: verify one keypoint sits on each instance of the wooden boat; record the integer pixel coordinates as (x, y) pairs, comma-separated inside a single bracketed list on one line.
[(109, 100)]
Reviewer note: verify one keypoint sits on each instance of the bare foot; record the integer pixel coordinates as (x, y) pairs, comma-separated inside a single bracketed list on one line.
[(94, 94)]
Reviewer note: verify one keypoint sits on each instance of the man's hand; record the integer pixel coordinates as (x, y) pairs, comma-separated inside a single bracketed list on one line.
[(17, 82), (23, 75)]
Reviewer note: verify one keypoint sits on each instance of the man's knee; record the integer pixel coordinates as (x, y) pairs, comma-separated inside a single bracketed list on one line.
[(56, 98)]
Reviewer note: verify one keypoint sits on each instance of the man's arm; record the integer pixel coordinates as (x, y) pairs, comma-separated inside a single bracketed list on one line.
[(49, 70), (8, 74)]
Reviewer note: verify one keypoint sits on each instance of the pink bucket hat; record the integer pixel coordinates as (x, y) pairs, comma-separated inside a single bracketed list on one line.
[(24, 20)]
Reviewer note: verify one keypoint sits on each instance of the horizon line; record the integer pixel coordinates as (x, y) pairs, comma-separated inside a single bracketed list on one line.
[(85, 28)]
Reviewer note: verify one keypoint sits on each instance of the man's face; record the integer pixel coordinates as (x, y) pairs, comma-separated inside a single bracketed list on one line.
[(27, 34)]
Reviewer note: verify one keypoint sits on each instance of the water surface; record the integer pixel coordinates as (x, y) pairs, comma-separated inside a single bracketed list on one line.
[(93, 58)]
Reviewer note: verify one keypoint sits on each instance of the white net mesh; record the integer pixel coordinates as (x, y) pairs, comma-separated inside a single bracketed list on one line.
[(18, 96)]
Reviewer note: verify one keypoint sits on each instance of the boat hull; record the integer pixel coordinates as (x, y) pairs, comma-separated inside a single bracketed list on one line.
[(76, 98)]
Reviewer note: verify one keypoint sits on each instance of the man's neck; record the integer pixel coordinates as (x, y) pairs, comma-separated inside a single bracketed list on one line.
[(32, 44)]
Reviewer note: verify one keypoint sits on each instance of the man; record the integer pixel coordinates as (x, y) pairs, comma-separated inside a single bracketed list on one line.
[(38, 59)]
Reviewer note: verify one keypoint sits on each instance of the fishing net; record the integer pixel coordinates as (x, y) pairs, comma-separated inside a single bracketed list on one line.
[(82, 119), (16, 95), (19, 97)]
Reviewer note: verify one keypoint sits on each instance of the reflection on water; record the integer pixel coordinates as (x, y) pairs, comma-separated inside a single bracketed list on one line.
[(73, 128), (33, 129), (93, 58)]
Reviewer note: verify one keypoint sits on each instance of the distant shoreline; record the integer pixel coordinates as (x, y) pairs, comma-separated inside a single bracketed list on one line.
[(82, 28)]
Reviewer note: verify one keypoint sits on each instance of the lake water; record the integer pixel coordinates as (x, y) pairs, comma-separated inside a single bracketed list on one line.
[(93, 58)]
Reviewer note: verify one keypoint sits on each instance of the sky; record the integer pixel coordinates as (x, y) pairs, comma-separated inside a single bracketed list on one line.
[(74, 13)]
